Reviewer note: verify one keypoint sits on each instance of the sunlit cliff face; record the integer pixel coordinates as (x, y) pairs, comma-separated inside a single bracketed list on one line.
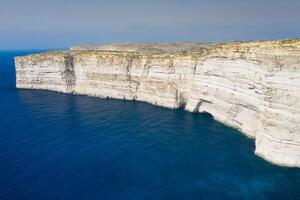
[(252, 86)]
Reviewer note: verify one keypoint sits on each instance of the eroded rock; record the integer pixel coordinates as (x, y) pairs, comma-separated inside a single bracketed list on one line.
[(251, 86)]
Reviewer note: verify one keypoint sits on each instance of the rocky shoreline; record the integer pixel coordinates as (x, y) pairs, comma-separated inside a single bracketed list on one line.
[(252, 86)]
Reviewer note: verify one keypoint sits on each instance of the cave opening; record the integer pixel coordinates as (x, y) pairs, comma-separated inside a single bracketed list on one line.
[(207, 115)]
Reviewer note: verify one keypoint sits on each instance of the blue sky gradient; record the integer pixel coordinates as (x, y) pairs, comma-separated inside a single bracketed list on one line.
[(41, 24)]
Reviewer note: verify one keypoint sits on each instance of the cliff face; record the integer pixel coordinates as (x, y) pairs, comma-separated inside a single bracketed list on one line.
[(252, 86)]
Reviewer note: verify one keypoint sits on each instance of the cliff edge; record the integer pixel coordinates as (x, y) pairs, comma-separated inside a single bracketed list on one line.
[(252, 86)]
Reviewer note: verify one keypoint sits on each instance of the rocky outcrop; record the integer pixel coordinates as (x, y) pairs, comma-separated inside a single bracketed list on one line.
[(251, 86)]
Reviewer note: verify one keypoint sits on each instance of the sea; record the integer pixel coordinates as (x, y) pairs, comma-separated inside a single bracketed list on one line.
[(60, 146)]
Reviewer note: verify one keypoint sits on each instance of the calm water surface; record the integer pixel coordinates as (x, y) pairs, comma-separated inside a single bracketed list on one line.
[(58, 146)]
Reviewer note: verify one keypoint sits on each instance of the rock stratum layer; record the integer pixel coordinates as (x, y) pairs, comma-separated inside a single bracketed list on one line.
[(251, 86)]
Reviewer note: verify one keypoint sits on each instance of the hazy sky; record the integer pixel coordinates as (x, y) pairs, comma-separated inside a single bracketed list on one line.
[(40, 24)]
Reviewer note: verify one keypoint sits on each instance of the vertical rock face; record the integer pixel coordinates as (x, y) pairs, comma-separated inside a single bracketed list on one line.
[(252, 86), (52, 71)]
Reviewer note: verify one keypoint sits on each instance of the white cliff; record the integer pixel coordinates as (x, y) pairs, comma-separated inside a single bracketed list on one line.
[(252, 86)]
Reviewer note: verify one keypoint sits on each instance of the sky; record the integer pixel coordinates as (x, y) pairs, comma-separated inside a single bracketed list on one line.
[(57, 24)]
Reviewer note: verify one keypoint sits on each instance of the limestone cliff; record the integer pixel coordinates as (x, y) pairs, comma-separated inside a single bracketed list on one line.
[(252, 86)]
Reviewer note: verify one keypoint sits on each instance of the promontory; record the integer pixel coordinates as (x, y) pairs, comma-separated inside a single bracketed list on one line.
[(253, 86)]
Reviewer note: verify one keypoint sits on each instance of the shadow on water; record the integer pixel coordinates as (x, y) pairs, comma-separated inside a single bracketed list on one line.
[(59, 146), (208, 116)]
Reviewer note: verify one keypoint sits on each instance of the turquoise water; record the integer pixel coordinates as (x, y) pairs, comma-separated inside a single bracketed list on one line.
[(58, 146)]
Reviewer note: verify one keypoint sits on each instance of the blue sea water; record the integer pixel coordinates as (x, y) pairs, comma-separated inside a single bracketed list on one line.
[(58, 146)]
